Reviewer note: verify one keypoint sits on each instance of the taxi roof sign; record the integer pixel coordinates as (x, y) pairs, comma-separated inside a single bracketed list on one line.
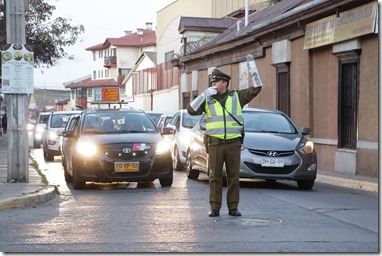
[(106, 95)]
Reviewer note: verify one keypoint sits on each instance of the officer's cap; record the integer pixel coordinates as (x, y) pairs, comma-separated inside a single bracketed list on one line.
[(218, 75)]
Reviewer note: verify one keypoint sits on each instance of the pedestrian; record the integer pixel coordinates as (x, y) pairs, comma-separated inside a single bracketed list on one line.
[(224, 125), (4, 123)]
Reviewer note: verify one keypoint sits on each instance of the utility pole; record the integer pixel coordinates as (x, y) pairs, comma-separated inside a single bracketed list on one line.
[(17, 103)]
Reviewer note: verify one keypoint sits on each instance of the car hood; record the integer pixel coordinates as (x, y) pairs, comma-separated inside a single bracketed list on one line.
[(116, 138), (271, 141)]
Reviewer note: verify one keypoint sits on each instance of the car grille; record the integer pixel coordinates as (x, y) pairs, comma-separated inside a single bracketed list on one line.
[(265, 152), (115, 153), (271, 170)]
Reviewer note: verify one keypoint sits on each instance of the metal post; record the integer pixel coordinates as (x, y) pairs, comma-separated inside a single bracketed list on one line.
[(17, 104)]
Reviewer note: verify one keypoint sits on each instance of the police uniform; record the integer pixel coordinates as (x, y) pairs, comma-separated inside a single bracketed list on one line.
[(224, 140)]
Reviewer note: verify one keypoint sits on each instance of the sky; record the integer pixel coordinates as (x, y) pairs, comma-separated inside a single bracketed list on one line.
[(101, 19)]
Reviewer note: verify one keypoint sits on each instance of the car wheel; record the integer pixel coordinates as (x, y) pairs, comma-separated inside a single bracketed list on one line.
[(77, 182), (47, 155), (167, 182), (305, 184), (224, 181), (191, 173), (176, 164), (68, 177), (36, 144)]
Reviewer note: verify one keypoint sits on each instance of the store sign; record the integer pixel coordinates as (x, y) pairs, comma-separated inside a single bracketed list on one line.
[(17, 70), (350, 24), (102, 95)]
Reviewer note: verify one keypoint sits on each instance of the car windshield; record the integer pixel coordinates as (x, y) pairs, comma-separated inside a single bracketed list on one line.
[(267, 123), (155, 116), (118, 122), (189, 121), (43, 119), (60, 120)]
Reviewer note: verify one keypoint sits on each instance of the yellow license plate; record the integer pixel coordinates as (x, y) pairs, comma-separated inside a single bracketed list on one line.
[(126, 167)]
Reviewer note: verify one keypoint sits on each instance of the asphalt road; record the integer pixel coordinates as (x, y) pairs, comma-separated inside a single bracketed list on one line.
[(144, 217)]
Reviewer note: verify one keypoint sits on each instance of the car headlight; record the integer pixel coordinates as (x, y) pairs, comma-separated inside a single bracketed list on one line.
[(52, 136), (162, 147), (39, 129), (86, 148), (307, 148), (30, 127)]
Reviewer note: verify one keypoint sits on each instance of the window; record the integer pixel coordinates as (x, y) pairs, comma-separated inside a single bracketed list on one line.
[(347, 103), (186, 99), (90, 93), (283, 88)]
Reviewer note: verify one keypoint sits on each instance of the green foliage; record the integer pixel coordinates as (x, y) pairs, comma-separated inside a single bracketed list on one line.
[(272, 2), (48, 37)]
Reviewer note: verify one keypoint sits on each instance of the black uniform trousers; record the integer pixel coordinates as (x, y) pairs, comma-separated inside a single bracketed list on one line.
[(220, 152)]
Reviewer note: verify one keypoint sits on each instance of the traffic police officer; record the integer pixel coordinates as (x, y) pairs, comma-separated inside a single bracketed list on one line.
[(223, 128)]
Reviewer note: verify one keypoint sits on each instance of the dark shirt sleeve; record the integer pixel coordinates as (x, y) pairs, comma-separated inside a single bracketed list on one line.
[(246, 95), (199, 111)]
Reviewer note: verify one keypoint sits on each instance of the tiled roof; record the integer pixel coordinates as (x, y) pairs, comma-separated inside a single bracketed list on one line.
[(89, 83), (205, 24), (132, 40), (255, 19)]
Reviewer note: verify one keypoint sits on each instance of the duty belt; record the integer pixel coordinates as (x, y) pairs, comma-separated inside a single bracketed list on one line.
[(217, 141)]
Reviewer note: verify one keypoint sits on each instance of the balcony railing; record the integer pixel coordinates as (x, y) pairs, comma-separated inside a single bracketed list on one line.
[(110, 62)]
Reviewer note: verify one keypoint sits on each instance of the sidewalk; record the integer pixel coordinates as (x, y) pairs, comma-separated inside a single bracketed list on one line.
[(21, 195)]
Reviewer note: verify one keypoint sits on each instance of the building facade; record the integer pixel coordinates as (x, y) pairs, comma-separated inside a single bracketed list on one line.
[(318, 61)]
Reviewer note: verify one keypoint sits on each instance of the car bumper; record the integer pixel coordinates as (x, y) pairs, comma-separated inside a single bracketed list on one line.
[(103, 169), (295, 167)]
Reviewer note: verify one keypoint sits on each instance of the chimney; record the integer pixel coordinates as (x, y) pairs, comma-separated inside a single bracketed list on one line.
[(140, 31), (128, 32), (149, 25)]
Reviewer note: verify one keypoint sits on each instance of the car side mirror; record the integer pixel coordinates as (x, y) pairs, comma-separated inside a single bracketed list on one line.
[(305, 131), (67, 133), (167, 131)]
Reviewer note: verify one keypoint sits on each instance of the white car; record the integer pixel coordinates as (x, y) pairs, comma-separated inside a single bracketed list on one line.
[(51, 138), (179, 134), (38, 130)]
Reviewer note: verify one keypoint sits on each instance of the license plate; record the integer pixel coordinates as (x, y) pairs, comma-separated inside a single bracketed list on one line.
[(270, 162), (126, 166)]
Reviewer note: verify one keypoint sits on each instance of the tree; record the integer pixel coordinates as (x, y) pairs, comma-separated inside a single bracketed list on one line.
[(48, 37)]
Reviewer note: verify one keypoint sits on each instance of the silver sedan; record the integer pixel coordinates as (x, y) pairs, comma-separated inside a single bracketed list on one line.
[(273, 149)]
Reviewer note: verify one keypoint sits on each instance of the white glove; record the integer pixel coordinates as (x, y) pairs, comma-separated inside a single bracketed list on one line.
[(198, 101), (251, 64)]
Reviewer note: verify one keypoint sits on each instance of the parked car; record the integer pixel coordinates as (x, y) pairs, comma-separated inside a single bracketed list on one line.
[(64, 140), (51, 137), (155, 115), (115, 145), (178, 136), (38, 130), (164, 120), (273, 149)]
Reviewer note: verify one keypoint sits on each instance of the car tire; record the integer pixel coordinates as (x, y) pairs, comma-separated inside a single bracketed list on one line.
[(177, 165), (47, 155), (191, 173), (305, 184), (77, 182), (36, 144), (68, 177), (166, 182)]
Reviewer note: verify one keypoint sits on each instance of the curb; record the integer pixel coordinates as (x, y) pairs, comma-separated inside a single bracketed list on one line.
[(38, 197), (349, 183)]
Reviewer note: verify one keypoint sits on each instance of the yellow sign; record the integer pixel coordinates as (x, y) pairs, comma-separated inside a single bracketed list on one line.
[(350, 24), (110, 94)]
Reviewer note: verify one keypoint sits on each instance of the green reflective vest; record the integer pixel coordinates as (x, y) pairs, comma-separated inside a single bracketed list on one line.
[(219, 123)]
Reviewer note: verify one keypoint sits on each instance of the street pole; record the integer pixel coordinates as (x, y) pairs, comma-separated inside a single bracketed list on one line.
[(17, 104)]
